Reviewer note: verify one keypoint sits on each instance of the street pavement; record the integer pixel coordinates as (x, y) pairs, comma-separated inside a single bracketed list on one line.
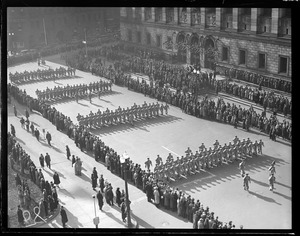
[(219, 188)]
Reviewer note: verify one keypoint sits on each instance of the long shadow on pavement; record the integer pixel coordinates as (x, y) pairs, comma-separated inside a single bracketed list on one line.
[(140, 124), (284, 185), (259, 182), (66, 192), (282, 195), (226, 172), (111, 215), (72, 220), (268, 199), (142, 222)]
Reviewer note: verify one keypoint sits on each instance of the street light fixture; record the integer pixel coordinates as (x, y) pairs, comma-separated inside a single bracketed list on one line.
[(123, 159), (96, 219)]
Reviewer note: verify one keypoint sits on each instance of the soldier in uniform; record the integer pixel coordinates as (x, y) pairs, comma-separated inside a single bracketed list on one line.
[(166, 108), (260, 145), (246, 180), (271, 182), (148, 163)]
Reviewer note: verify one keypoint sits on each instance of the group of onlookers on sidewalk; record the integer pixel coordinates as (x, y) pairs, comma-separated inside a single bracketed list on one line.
[(49, 203)]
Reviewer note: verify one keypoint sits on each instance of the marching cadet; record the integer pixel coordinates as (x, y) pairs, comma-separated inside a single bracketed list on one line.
[(260, 145), (161, 109), (148, 163), (170, 157), (188, 151), (157, 108), (246, 180), (202, 147), (166, 108), (242, 167), (272, 168), (90, 96), (131, 118), (123, 114), (271, 182), (250, 146), (216, 144), (255, 145)]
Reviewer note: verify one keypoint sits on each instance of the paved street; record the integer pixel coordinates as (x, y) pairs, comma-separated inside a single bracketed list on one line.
[(219, 188)]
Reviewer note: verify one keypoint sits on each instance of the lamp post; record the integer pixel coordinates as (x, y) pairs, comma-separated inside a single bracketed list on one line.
[(96, 219), (123, 159), (11, 41)]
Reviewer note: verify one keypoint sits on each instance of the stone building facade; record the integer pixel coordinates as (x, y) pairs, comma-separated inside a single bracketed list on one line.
[(256, 40), (27, 26)]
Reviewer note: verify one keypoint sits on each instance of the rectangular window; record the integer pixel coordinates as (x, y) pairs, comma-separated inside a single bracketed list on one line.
[(158, 41), (225, 54), (283, 65), (129, 35), (138, 37), (148, 38), (242, 57), (261, 61)]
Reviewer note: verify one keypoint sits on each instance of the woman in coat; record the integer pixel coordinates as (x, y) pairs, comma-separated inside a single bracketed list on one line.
[(123, 210), (42, 161), (64, 217), (156, 197), (68, 152), (100, 200), (118, 197), (56, 179)]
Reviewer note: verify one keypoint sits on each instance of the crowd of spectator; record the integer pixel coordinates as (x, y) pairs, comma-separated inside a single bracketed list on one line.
[(34, 55), (259, 80), (49, 202), (164, 77), (145, 180)]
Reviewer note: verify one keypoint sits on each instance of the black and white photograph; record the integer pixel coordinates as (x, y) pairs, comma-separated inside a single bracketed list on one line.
[(161, 118)]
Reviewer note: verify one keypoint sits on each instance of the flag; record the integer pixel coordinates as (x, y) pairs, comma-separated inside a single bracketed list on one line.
[(84, 42)]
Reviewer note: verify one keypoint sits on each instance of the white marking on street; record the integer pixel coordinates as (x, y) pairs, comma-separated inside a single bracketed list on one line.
[(171, 151)]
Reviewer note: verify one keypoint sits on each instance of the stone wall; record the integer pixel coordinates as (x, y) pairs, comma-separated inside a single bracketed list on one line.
[(273, 51)]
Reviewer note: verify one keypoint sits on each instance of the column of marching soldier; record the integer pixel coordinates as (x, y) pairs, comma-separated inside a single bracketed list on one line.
[(48, 74), (74, 91), (205, 158), (109, 117)]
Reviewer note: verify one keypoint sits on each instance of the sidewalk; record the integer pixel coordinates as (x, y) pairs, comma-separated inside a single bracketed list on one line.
[(75, 192)]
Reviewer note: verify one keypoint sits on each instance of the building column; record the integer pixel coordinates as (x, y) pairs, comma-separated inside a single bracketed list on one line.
[(202, 17), (254, 18), (133, 12), (143, 13), (189, 15), (235, 17), (188, 56), (275, 20), (123, 11), (152, 14), (218, 17), (176, 15), (164, 16)]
